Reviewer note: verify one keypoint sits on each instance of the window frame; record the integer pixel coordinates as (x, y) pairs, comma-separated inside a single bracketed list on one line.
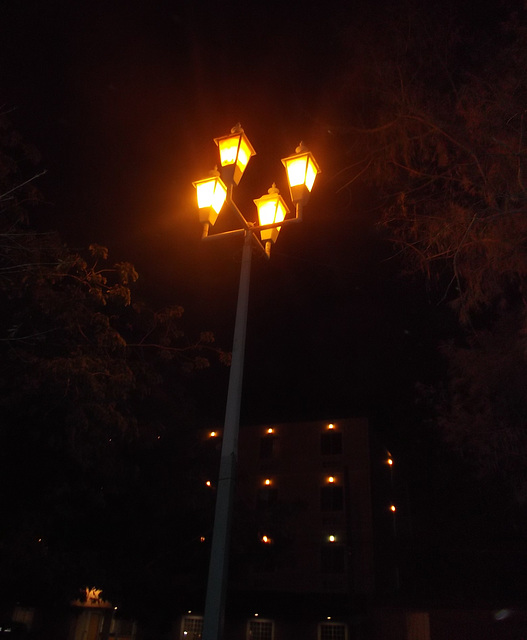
[(259, 621), (195, 634), (330, 623)]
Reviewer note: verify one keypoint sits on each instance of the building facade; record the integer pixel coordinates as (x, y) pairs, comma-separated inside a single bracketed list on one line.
[(302, 542)]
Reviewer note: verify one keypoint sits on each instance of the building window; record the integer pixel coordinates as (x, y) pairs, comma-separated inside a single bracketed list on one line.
[(267, 496), (333, 558), (332, 631), (191, 628), (331, 443), (331, 498), (267, 447), (258, 629)]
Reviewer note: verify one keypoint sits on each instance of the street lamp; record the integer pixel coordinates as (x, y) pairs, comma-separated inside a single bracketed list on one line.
[(212, 193)]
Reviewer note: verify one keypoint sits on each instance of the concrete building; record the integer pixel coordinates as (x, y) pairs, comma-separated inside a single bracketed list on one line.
[(302, 541)]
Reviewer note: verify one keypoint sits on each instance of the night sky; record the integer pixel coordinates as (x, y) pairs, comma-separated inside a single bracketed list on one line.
[(123, 101)]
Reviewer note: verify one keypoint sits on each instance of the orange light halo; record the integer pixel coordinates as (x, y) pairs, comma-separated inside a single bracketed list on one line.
[(302, 169), (271, 209), (235, 153)]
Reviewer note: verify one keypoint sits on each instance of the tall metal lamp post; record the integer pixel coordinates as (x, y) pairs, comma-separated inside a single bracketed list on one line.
[(212, 193)]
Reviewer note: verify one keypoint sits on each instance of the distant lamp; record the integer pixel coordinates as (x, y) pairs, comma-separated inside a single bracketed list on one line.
[(211, 193), (302, 169), (235, 153), (271, 209)]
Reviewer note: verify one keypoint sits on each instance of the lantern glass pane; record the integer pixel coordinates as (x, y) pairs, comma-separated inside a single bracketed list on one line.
[(205, 193), (244, 154), (228, 149), (219, 196), (296, 170), (311, 174), (267, 211), (211, 193)]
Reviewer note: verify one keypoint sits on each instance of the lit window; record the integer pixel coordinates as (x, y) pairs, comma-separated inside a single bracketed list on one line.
[(260, 629), (191, 628), (332, 631)]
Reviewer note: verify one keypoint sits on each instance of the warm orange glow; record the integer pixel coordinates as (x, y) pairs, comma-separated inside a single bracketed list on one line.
[(235, 151), (332, 538), (389, 461), (211, 193), (270, 430), (266, 540), (393, 507), (271, 208), (208, 483), (331, 479), (202, 538), (302, 169), (331, 426), (267, 481), (213, 434)]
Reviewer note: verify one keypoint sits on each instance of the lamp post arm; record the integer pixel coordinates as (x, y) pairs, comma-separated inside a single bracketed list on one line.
[(217, 580), (245, 224)]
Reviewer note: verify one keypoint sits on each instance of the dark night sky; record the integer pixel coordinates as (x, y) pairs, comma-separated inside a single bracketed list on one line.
[(123, 101)]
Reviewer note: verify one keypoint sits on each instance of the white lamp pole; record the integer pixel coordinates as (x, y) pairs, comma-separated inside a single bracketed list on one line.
[(235, 152)]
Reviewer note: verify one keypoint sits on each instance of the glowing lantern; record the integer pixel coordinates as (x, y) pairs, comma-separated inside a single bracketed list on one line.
[(302, 169), (271, 209), (211, 193), (235, 153)]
